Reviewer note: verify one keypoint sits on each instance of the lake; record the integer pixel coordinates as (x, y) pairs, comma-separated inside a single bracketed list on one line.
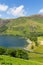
[(12, 41)]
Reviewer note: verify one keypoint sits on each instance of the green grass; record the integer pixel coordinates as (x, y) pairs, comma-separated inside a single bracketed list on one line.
[(39, 49), (40, 38), (7, 60), (37, 57)]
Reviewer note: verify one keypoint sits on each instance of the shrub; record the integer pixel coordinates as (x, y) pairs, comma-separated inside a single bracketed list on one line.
[(18, 53), (11, 52), (22, 54), (32, 47), (2, 50)]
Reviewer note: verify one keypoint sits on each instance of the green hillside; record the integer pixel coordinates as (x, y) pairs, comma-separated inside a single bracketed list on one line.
[(22, 26), (39, 49), (38, 56), (7, 60)]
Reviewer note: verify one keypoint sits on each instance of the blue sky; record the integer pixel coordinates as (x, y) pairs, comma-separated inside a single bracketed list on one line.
[(18, 8)]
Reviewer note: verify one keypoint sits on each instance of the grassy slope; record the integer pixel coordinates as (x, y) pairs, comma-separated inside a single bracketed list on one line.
[(37, 57), (40, 47), (23, 25), (7, 60)]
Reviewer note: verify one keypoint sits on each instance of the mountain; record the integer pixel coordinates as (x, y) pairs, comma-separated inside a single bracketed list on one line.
[(22, 26)]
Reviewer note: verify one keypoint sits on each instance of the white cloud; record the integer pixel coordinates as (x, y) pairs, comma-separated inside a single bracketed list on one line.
[(41, 10), (17, 11), (0, 15), (3, 7)]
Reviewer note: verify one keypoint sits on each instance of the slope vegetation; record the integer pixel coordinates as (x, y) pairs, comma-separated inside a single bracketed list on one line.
[(22, 26), (7, 60)]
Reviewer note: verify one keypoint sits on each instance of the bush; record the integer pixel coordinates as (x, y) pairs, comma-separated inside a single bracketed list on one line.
[(22, 54), (18, 53), (36, 43), (2, 50), (11, 52), (32, 47)]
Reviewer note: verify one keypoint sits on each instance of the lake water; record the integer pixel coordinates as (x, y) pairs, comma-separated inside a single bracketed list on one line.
[(12, 41)]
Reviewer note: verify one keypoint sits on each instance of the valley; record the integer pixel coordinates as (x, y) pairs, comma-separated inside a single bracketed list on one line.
[(24, 33)]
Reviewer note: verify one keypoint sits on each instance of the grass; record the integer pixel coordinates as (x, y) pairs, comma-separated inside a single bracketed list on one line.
[(7, 60), (35, 56), (40, 38), (39, 49)]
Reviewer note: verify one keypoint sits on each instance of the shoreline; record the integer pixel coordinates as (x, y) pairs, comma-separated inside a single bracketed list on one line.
[(29, 44)]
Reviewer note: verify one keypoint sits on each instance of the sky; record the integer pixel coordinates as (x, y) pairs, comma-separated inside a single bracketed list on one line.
[(20, 8)]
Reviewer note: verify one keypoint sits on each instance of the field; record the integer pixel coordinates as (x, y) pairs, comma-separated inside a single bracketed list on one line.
[(7, 60)]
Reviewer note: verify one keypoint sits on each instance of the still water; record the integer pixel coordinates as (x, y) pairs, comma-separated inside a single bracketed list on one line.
[(12, 41)]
